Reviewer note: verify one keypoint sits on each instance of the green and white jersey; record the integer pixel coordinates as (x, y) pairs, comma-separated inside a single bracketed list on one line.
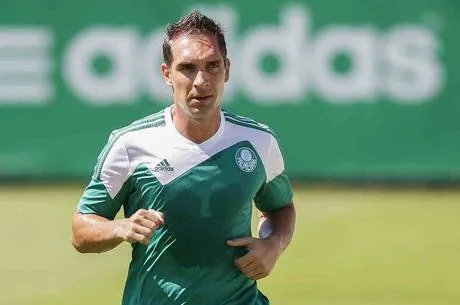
[(205, 191)]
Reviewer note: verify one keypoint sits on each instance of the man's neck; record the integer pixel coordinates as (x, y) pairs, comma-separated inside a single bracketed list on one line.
[(196, 131)]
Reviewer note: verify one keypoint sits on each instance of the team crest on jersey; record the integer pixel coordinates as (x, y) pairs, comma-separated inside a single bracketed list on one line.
[(246, 159)]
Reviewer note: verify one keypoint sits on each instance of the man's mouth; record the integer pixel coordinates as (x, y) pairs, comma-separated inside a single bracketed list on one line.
[(201, 99)]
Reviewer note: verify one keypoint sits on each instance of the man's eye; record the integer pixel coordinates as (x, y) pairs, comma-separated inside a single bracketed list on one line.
[(214, 65), (186, 68)]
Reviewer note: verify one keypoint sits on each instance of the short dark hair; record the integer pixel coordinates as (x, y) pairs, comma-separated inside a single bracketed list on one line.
[(195, 22)]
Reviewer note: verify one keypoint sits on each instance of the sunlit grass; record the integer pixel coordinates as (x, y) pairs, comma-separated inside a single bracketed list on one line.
[(352, 247)]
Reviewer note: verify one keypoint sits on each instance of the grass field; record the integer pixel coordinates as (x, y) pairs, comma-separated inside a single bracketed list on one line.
[(352, 247)]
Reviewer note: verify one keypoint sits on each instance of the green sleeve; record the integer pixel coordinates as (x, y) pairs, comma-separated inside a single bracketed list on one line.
[(96, 200), (275, 194)]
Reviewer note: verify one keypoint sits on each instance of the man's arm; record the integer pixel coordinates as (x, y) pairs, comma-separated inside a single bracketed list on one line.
[(93, 227), (276, 229), (278, 226), (94, 234)]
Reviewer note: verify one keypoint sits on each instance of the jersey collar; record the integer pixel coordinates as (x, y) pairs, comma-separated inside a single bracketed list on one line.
[(201, 146)]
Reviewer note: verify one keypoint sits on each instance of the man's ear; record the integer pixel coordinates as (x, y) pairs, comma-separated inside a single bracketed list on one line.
[(166, 72), (227, 69)]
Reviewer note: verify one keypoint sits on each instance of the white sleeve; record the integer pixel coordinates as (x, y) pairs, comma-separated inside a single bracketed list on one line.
[(107, 190), (275, 163), (113, 166)]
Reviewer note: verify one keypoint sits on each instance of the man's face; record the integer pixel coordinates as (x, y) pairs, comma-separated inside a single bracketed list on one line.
[(197, 74)]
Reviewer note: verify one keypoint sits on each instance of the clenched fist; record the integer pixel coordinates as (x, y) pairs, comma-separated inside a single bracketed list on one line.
[(140, 226)]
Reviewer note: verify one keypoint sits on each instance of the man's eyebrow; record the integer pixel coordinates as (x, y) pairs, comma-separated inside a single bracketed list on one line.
[(185, 65), (215, 61)]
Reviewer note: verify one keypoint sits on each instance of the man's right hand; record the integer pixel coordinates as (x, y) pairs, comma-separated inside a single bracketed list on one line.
[(139, 227)]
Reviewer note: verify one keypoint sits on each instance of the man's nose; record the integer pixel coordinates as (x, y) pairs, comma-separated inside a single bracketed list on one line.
[(201, 79)]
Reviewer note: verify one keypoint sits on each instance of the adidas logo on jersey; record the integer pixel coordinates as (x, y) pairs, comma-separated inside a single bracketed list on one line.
[(163, 166)]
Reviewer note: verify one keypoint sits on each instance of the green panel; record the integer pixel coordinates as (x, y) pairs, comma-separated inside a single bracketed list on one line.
[(352, 89)]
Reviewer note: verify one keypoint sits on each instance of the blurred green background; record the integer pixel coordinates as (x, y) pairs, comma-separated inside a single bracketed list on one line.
[(355, 90), (353, 246)]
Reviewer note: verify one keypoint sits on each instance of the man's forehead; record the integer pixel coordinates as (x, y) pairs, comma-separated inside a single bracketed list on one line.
[(191, 46)]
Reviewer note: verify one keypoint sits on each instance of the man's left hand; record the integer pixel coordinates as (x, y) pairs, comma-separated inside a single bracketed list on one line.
[(261, 258)]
